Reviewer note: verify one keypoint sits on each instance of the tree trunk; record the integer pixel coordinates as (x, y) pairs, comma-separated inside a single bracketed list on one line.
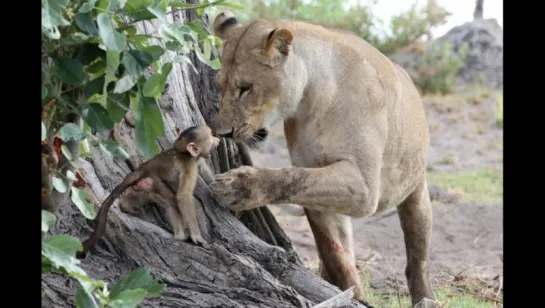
[(478, 12), (247, 263)]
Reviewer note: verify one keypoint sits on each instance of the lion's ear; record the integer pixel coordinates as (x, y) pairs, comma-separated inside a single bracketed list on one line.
[(225, 22), (278, 46)]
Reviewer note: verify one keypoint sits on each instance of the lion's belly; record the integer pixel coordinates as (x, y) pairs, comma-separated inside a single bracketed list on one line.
[(395, 185)]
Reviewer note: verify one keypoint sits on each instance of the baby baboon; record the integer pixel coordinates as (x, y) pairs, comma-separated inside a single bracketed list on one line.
[(150, 181)]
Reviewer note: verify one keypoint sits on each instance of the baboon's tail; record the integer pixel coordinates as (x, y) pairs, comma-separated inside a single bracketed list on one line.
[(100, 220)]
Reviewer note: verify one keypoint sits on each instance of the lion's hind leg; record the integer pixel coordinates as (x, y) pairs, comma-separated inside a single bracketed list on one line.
[(415, 214)]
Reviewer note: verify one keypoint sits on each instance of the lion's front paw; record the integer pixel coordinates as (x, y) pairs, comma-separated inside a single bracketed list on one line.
[(238, 189)]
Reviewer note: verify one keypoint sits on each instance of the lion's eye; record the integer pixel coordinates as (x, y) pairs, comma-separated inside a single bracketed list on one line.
[(244, 88)]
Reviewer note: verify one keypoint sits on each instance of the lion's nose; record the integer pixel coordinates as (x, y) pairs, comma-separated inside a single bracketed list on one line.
[(226, 135)]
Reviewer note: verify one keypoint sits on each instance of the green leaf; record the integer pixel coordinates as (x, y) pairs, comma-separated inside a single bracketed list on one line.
[(44, 92), (87, 6), (69, 71), (179, 32), (48, 219), (70, 175), (71, 131), (207, 49), (186, 60), (113, 40), (128, 299), (98, 98), (59, 184), (84, 148), (86, 23), (113, 148), (66, 152), (112, 63), (155, 52), (214, 64), (97, 68), (166, 69), (85, 300), (114, 5), (159, 10), (117, 105), (135, 61), (139, 278), (94, 86), (130, 30), (44, 131), (52, 17), (61, 251), (155, 85), (96, 116), (173, 45), (137, 9), (63, 242), (89, 52), (76, 38), (80, 199), (149, 125), (198, 27), (124, 84), (140, 40), (46, 265)]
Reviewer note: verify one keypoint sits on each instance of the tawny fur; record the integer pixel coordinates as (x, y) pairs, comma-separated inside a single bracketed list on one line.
[(356, 131), (155, 179)]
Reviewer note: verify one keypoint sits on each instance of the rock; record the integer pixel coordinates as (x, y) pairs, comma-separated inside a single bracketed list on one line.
[(484, 62), (485, 55)]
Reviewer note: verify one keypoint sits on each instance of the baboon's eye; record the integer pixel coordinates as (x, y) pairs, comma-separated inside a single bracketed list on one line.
[(244, 88)]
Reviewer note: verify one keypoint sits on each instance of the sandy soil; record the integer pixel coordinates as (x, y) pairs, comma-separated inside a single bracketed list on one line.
[(467, 236)]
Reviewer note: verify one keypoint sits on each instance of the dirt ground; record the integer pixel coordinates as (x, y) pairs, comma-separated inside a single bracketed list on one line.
[(467, 235)]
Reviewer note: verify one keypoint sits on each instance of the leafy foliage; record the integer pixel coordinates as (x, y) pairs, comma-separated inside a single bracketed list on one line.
[(436, 70), (59, 255), (95, 67), (406, 31)]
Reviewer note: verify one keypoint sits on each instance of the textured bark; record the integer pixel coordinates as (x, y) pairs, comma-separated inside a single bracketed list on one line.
[(478, 12), (247, 263)]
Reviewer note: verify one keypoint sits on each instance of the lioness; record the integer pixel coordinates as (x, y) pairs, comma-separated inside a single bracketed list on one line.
[(356, 131)]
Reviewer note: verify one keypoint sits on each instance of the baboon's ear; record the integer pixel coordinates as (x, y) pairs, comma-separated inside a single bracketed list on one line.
[(193, 149), (278, 46), (225, 22)]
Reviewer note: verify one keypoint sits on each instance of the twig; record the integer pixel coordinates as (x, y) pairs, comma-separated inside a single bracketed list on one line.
[(395, 278), (338, 300), (478, 238), (500, 287)]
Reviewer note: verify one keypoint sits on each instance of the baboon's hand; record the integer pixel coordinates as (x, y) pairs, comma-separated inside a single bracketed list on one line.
[(239, 189)]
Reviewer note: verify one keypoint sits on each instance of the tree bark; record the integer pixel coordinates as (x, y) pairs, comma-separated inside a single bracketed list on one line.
[(478, 12), (246, 263)]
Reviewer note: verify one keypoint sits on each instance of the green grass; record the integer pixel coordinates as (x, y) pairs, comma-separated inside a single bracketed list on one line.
[(484, 185)]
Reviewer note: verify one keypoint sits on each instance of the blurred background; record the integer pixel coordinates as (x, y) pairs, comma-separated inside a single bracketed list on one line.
[(453, 50)]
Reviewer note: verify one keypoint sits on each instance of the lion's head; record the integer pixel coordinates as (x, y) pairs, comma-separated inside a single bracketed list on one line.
[(252, 79)]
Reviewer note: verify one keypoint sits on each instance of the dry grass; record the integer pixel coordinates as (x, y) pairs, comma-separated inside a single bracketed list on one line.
[(453, 102), (460, 292), (450, 158), (499, 111)]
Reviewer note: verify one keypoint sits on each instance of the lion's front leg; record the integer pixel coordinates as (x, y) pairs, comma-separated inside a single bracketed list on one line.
[(339, 187)]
